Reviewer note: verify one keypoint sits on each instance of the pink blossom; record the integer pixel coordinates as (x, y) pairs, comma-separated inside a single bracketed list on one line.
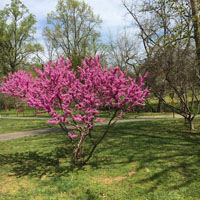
[(100, 120), (77, 99), (72, 135)]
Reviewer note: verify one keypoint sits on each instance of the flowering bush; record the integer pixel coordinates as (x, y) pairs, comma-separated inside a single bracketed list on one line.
[(75, 99)]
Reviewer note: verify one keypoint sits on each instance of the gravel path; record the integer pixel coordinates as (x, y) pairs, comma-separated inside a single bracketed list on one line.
[(15, 135)]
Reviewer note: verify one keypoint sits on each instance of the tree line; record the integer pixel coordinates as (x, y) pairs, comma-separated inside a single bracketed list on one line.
[(166, 45)]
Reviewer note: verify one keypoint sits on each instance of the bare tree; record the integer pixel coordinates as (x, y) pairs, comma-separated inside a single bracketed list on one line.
[(124, 52), (166, 31), (196, 23)]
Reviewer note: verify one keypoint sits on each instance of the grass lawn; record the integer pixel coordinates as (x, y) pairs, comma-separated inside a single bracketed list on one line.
[(28, 112), (136, 115), (154, 160), (13, 125)]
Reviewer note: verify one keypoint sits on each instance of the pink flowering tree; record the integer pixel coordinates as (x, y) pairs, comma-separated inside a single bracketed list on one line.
[(75, 99)]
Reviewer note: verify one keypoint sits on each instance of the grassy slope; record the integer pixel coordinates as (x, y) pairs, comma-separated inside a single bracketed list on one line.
[(156, 160), (13, 125)]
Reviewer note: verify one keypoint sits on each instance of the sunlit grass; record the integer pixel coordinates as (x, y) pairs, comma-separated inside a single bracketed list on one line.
[(14, 125), (156, 160)]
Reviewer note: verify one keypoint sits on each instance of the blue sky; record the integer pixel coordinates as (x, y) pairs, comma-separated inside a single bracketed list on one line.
[(111, 12)]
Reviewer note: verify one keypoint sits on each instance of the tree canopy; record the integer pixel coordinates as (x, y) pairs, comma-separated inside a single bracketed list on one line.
[(16, 36), (73, 30)]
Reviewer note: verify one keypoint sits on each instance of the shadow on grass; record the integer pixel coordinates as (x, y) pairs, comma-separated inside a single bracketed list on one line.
[(38, 164), (166, 148)]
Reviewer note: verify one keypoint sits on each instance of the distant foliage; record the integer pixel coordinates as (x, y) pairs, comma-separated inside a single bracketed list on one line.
[(17, 43)]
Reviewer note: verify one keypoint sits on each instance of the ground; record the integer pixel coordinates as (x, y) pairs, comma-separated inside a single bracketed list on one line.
[(156, 159)]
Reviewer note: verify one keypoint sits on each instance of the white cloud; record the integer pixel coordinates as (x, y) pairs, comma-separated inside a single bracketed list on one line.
[(110, 11)]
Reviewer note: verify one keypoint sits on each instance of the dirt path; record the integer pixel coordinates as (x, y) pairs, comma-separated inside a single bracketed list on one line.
[(15, 135)]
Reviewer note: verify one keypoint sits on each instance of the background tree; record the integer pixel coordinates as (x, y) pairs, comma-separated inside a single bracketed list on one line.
[(73, 30), (123, 51), (166, 29), (174, 71), (196, 23), (16, 36)]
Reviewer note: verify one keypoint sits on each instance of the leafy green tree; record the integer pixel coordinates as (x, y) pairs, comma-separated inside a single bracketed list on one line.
[(73, 30), (16, 36)]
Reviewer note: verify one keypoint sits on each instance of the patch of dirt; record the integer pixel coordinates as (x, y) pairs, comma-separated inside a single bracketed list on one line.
[(132, 173), (12, 185), (110, 180), (43, 178), (9, 185)]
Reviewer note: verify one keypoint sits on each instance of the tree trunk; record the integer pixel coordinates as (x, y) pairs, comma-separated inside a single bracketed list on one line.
[(195, 20), (150, 106), (12, 68), (191, 124), (159, 106)]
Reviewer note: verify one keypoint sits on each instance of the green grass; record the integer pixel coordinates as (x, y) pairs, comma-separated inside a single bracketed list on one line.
[(132, 115), (154, 160), (28, 112), (13, 125)]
